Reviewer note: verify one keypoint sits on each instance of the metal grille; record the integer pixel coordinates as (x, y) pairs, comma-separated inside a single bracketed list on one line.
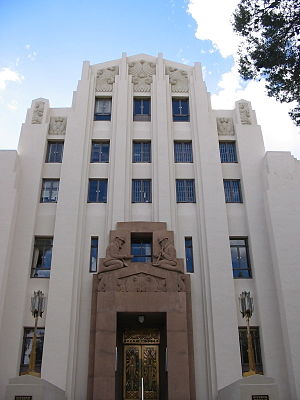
[(49, 193), (97, 191), (55, 152), (102, 109), (141, 191), (232, 191), (227, 152), (100, 152), (183, 152), (185, 191), (141, 152)]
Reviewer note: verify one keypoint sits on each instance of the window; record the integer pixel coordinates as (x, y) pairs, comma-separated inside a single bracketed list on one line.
[(141, 247), (185, 191), (102, 109), (141, 191), (183, 152), (54, 152), (26, 349), (254, 331), (180, 108), (141, 109), (49, 193), (94, 254), (97, 191), (189, 260), (227, 152), (232, 191), (141, 152), (100, 152), (41, 259), (240, 258)]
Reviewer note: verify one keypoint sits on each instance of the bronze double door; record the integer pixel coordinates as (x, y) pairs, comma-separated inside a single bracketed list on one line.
[(141, 365)]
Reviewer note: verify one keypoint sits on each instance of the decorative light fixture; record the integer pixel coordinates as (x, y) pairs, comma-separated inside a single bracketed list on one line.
[(246, 309), (37, 309)]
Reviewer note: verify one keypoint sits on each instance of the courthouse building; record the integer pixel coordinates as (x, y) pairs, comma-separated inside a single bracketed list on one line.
[(143, 215)]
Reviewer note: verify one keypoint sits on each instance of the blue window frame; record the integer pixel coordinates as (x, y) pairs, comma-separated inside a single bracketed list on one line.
[(180, 108), (100, 152), (49, 192), (141, 191), (185, 191), (141, 249), (227, 152), (241, 267), (42, 256), (54, 152), (94, 254), (141, 152), (183, 152), (189, 259), (232, 189), (141, 109), (97, 191), (102, 109)]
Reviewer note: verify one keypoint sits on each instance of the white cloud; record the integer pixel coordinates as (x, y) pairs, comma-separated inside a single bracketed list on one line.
[(8, 75), (279, 132), (213, 19), (13, 105)]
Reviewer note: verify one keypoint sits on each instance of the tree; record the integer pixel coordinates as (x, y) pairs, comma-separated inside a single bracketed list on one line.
[(270, 47)]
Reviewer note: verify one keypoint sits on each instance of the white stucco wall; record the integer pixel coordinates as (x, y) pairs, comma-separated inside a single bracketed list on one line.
[(210, 222)]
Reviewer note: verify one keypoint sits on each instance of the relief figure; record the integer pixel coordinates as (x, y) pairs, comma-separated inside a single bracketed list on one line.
[(115, 259), (167, 255)]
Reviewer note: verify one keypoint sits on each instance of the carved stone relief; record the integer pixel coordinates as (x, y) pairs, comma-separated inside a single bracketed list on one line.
[(106, 78), (38, 112), (167, 255), (142, 283), (115, 258), (245, 113), (178, 80), (57, 126), (142, 72), (225, 126)]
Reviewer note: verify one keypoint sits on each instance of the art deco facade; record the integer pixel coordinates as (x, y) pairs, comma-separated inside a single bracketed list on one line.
[(142, 215)]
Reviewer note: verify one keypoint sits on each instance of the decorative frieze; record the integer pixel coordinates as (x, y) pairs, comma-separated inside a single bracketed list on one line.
[(245, 115), (225, 126), (178, 80), (142, 283), (142, 72), (38, 112), (106, 78), (57, 126)]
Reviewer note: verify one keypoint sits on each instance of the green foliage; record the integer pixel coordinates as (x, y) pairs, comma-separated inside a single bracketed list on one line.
[(270, 47)]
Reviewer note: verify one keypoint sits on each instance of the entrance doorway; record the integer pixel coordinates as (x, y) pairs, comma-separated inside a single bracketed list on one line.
[(141, 351)]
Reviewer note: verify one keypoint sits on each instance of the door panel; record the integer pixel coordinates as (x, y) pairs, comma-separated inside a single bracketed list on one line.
[(141, 361)]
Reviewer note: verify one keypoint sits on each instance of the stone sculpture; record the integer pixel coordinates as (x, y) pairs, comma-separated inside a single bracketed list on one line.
[(57, 126), (245, 114), (167, 255), (225, 126), (115, 259), (105, 79), (38, 111), (141, 72), (178, 80)]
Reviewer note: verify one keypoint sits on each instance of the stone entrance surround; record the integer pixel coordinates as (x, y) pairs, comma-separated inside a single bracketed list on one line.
[(141, 287)]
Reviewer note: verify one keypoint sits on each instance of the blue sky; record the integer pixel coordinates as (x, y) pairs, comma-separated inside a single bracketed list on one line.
[(43, 45)]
